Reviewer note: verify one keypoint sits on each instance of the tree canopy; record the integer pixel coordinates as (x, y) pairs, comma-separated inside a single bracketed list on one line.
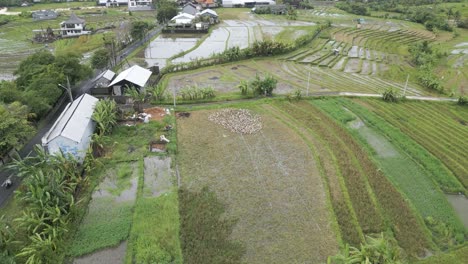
[(14, 126), (166, 11)]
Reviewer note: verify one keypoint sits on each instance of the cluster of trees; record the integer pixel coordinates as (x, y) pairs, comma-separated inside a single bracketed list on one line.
[(354, 8), (34, 93), (166, 10), (425, 58), (38, 77), (431, 15), (258, 86), (48, 196)]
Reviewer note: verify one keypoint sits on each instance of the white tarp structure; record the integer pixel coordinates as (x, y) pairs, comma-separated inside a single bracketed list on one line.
[(72, 131), (135, 74), (182, 19)]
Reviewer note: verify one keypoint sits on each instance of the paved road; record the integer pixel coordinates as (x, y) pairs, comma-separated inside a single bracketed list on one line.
[(82, 88)]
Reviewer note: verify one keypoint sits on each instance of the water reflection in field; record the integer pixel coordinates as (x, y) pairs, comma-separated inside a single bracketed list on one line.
[(166, 46)]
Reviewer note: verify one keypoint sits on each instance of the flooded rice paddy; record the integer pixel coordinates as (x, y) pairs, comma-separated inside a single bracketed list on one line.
[(166, 46), (230, 33)]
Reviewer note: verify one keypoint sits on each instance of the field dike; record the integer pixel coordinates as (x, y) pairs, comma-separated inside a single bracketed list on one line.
[(267, 186)]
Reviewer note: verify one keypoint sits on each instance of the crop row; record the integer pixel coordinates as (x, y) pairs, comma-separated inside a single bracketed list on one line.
[(406, 173), (338, 193), (385, 198), (441, 144)]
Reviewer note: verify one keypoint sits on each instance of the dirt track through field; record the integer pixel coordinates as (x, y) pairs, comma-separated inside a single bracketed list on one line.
[(269, 182)]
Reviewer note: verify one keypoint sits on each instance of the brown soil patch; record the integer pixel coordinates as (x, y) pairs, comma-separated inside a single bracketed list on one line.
[(157, 113)]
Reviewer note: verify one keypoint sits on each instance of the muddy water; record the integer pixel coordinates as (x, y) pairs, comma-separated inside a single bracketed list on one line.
[(113, 255), (164, 47), (460, 204)]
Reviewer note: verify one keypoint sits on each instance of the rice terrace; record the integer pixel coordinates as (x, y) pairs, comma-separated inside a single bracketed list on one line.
[(298, 132)]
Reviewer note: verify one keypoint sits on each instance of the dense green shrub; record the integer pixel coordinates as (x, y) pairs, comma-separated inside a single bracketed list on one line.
[(462, 100), (196, 93), (390, 95)]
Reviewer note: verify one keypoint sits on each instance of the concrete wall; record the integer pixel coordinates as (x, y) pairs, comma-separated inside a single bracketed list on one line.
[(78, 150)]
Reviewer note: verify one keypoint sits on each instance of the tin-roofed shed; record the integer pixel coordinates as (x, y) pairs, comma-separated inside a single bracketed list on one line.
[(72, 131)]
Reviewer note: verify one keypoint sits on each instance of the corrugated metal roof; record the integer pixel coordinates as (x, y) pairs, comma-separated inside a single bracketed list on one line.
[(209, 11), (74, 119), (134, 74), (183, 15)]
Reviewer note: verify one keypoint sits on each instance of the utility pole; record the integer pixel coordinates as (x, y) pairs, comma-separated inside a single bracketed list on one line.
[(68, 89), (308, 82), (406, 86)]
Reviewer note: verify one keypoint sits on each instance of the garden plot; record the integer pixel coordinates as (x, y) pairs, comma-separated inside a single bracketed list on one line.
[(268, 181), (109, 215), (164, 47)]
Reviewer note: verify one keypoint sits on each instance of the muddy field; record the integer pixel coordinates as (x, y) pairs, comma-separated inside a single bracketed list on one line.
[(268, 181)]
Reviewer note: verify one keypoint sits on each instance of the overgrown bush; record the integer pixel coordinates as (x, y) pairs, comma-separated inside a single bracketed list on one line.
[(390, 95), (196, 93), (263, 87), (462, 100)]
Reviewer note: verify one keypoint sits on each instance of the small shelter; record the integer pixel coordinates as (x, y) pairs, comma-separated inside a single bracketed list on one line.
[(73, 27), (72, 131), (134, 76)]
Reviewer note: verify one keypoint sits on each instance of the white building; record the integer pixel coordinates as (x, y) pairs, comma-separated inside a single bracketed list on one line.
[(72, 131), (73, 27), (182, 19), (110, 3), (134, 76), (247, 3), (139, 5)]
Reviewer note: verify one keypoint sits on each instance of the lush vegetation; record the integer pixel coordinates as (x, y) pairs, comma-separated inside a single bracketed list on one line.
[(14, 126), (196, 93), (48, 198), (428, 200), (358, 190), (155, 241), (432, 125)]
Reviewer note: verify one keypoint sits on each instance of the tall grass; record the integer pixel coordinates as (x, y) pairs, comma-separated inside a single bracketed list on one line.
[(154, 237)]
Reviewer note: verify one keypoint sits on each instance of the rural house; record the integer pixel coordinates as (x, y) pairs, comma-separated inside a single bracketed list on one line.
[(73, 27), (71, 133), (189, 8), (134, 76), (246, 3), (44, 15), (140, 5), (209, 15), (207, 3)]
